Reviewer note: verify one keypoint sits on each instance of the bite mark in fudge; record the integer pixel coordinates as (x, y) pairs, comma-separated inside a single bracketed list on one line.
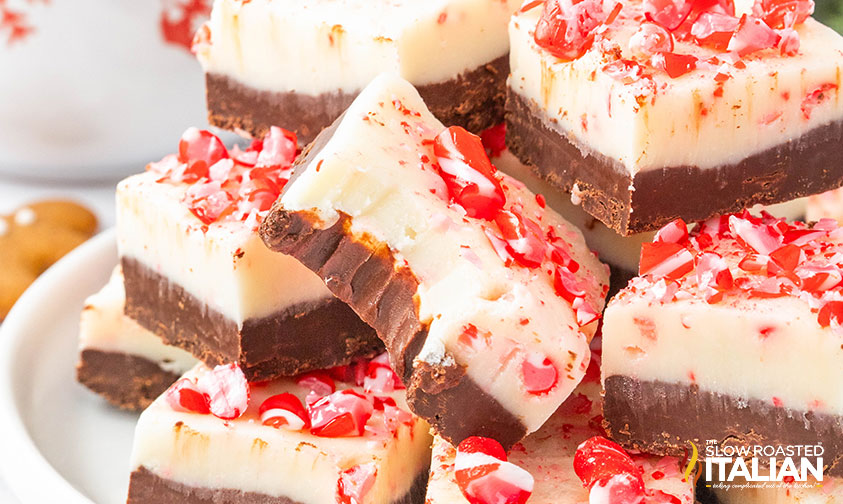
[(198, 275), (644, 124), (737, 323), (120, 360), (314, 439), (549, 456), (485, 298), (301, 65)]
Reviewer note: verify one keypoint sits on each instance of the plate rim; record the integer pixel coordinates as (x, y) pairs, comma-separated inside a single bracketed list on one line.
[(23, 468)]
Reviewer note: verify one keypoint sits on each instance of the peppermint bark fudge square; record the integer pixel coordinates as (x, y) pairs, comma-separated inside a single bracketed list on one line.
[(731, 333), (120, 360), (302, 63), (553, 458), (485, 299), (198, 275), (656, 112), (212, 437)]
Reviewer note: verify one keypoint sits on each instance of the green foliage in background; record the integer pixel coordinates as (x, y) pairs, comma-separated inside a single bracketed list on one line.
[(830, 12)]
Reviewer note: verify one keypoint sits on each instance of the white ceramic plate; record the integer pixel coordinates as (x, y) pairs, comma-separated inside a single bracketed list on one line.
[(58, 441)]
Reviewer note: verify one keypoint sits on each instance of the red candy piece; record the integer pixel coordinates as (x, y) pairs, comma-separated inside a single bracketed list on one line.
[(523, 236), (785, 258), (318, 382), (209, 202), (566, 29), (485, 477), (714, 30), (664, 259), (185, 395), (673, 232), (494, 139), (284, 411), (538, 373), (650, 39), (200, 149), (762, 238), (227, 389), (713, 275), (340, 414), (603, 464), (667, 13), (676, 65), (831, 311), (380, 378), (816, 97), (818, 279), (468, 173), (355, 483), (783, 13), (753, 35), (278, 149)]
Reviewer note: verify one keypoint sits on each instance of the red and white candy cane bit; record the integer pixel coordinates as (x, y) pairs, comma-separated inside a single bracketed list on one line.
[(760, 237), (284, 411), (227, 389), (608, 472), (380, 378), (523, 236), (468, 173), (538, 373), (278, 149), (665, 260), (355, 483), (485, 477), (185, 396), (751, 35), (201, 146), (673, 232), (341, 414), (318, 382)]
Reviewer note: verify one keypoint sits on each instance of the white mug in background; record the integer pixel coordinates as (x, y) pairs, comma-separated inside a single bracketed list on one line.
[(94, 91)]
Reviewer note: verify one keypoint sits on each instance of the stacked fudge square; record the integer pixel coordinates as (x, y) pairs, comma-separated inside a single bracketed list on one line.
[(357, 306)]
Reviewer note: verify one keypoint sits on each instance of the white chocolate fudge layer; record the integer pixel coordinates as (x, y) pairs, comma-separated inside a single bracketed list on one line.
[(248, 454), (105, 328), (548, 455), (642, 119), (223, 264), (482, 310), (325, 46), (742, 293)]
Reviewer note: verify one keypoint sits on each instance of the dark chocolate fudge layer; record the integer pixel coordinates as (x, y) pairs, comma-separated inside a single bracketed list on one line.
[(301, 338), (473, 100)]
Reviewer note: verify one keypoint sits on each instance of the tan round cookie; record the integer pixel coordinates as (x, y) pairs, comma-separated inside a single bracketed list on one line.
[(34, 237)]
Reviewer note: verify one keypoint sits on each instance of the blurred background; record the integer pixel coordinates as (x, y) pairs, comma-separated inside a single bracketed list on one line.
[(830, 12)]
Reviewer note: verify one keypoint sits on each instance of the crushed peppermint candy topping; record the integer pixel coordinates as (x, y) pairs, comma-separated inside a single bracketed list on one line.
[(568, 29), (350, 401), (520, 237), (746, 255), (484, 475), (229, 185), (606, 469)]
